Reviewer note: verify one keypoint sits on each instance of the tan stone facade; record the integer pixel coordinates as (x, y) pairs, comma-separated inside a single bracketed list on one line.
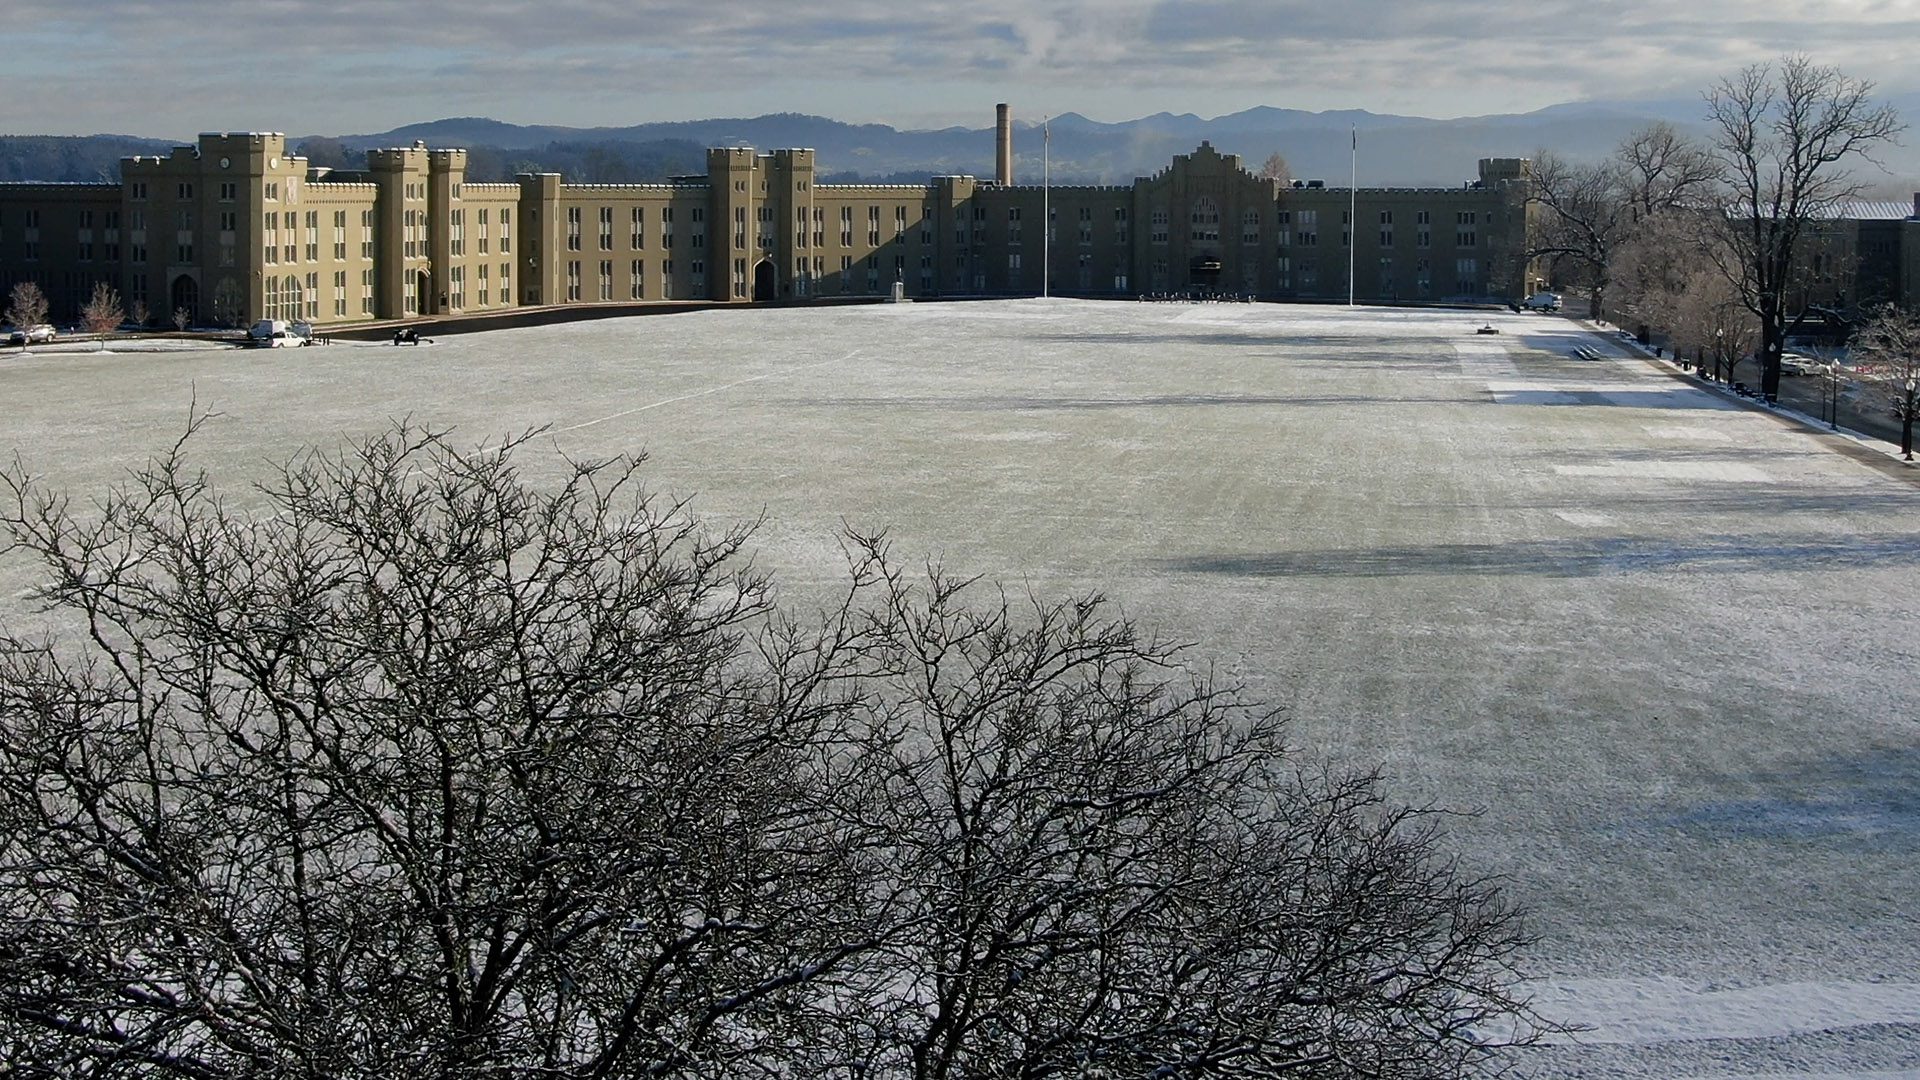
[(234, 229)]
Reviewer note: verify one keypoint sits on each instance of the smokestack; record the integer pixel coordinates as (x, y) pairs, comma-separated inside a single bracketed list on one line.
[(1003, 145)]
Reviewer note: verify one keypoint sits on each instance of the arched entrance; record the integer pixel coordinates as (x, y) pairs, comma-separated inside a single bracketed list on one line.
[(185, 296), (765, 288), (1204, 271), (423, 293)]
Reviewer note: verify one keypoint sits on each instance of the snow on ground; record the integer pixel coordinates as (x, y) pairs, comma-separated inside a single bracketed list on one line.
[(1665, 644)]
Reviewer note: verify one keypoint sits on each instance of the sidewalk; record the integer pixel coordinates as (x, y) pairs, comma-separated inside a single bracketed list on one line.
[(1860, 441)]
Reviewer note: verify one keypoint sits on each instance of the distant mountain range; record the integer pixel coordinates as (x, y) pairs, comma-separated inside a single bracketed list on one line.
[(1394, 150)]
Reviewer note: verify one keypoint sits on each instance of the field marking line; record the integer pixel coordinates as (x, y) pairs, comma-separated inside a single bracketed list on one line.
[(702, 393)]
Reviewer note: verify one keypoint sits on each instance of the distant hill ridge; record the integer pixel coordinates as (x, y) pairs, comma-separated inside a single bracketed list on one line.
[(1394, 150)]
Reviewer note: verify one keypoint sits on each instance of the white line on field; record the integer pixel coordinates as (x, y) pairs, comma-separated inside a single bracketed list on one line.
[(702, 393)]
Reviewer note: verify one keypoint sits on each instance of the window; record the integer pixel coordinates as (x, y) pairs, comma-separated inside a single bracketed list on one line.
[(1159, 225), (636, 230), (457, 232), (606, 231), (573, 231), (1205, 219), (606, 268), (183, 192), (1386, 217), (1250, 227), (573, 277), (139, 191), (873, 226), (1464, 238), (1463, 217), (1421, 218), (637, 287), (481, 291), (506, 242), (846, 226), (1467, 276)]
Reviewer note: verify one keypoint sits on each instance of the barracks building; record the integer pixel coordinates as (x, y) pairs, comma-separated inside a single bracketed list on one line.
[(234, 228)]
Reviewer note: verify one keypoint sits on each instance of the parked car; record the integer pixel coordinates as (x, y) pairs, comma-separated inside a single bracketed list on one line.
[(38, 333), (1542, 301), (276, 334), (1796, 364)]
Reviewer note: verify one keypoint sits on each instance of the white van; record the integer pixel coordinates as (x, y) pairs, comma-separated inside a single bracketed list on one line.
[(274, 334), (1542, 301)]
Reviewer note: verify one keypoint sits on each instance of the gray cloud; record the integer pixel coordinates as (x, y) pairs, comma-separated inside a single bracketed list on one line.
[(336, 65)]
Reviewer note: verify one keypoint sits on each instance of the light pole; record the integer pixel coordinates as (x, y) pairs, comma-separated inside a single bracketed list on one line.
[(1833, 387), (1046, 207), (1906, 419)]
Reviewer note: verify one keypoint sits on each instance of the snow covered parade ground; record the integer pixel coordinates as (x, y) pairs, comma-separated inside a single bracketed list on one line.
[(1669, 646)]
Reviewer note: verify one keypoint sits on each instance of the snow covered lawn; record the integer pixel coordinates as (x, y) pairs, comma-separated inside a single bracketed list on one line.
[(1667, 646)]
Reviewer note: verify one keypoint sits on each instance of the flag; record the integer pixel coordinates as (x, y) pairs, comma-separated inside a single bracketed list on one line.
[(1356, 138)]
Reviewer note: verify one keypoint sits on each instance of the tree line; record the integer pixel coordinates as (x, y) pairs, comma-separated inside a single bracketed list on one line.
[(1721, 242)]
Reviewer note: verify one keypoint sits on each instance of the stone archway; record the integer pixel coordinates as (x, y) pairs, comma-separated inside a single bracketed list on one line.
[(184, 295), (765, 284), (1203, 271)]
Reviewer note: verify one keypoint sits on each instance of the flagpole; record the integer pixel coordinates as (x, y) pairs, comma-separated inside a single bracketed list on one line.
[(1353, 208), (1046, 206)]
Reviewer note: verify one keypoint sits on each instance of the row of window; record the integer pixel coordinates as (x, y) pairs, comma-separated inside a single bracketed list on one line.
[(636, 279)]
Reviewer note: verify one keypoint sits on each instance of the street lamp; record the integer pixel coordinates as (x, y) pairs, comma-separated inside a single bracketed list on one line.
[(1833, 387), (1906, 420)]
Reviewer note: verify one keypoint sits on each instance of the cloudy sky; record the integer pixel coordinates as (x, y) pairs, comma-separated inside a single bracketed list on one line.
[(170, 68)]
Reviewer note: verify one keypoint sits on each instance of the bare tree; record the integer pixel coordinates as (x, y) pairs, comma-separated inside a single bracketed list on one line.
[(415, 770), (430, 775), (182, 318), (102, 313), (139, 314), (1886, 351), (26, 306), (1275, 168), (1663, 171), (1100, 864), (1592, 210), (1782, 134)]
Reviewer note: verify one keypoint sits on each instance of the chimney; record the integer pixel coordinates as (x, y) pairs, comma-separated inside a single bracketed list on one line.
[(1003, 145)]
